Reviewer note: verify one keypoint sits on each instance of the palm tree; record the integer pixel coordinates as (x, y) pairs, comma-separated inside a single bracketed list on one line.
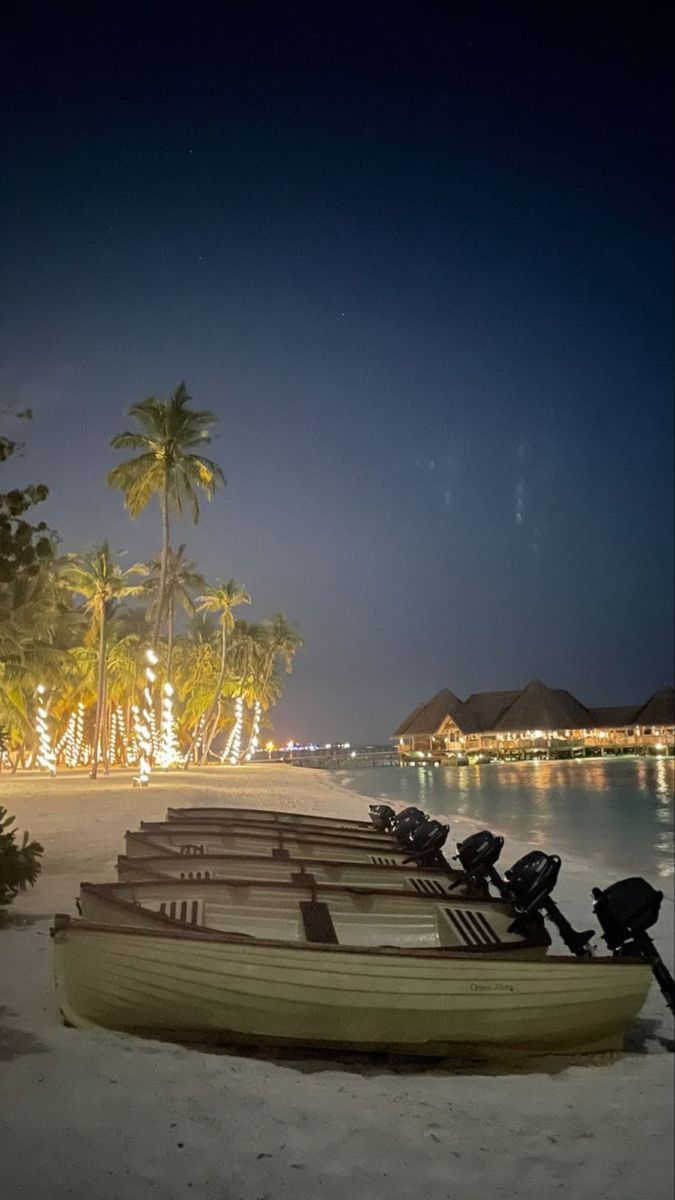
[(282, 643), (167, 466), (196, 665), (222, 599), (37, 632), (276, 640), (181, 579), (101, 581)]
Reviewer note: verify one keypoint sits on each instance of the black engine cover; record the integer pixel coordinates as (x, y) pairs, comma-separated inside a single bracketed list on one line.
[(626, 909)]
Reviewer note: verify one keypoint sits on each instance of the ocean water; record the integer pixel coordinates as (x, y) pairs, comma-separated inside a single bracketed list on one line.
[(617, 813)]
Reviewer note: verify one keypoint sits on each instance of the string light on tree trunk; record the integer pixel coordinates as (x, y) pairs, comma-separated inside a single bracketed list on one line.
[(198, 736), (145, 719), (169, 751), (228, 746), (45, 756), (78, 736), (65, 742), (235, 750), (112, 743), (127, 751), (255, 730)]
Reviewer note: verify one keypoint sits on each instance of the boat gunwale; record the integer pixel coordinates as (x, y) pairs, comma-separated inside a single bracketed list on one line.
[(262, 830), (411, 870), (311, 885), (274, 816), (63, 922)]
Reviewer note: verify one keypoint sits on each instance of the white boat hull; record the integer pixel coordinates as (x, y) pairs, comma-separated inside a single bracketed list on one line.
[(210, 987)]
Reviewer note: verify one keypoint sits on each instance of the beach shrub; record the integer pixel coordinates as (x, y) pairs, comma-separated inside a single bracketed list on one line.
[(19, 863)]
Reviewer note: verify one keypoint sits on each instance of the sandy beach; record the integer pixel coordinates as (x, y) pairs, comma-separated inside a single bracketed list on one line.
[(98, 1114)]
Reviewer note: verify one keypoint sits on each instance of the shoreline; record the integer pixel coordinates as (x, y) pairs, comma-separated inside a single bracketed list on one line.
[(105, 1114)]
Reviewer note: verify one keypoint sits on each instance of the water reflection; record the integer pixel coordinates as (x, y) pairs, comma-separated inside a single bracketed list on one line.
[(617, 811)]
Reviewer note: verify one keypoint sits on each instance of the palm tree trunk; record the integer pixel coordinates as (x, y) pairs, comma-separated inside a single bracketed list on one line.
[(209, 735), (165, 555), (100, 685), (169, 642), (105, 738), (212, 731)]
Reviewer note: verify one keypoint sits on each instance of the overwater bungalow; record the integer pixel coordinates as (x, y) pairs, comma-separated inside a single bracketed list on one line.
[(536, 722)]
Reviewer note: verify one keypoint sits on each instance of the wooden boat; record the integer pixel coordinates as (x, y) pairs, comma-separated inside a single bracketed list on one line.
[(160, 864), (147, 974), (358, 837), (271, 816), (204, 837), (304, 910)]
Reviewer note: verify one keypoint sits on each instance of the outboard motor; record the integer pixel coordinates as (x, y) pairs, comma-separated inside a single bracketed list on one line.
[(406, 823), (530, 883), (626, 910), (478, 855), (382, 817), (426, 842)]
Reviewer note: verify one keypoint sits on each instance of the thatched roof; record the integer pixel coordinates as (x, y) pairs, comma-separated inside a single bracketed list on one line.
[(541, 707), (408, 720), (535, 707), (483, 710), (612, 718), (428, 718), (659, 709)]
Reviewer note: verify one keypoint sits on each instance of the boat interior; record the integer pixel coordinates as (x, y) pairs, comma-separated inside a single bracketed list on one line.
[(420, 882), (289, 912), (202, 838)]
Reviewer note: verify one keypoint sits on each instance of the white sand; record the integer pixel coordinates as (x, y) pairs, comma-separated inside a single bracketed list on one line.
[(102, 1116)]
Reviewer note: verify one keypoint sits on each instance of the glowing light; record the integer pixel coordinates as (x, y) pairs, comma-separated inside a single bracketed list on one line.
[(198, 735), (46, 757), (235, 749), (255, 730), (169, 750), (112, 742), (146, 725)]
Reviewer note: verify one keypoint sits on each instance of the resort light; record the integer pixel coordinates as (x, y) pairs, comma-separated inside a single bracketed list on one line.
[(169, 752), (235, 751), (146, 726), (255, 730), (46, 757)]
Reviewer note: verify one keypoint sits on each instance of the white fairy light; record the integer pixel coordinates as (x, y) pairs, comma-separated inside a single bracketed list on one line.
[(145, 723), (225, 756), (112, 743), (169, 751), (124, 735), (255, 730), (78, 736), (235, 749), (65, 741), (46, 757)]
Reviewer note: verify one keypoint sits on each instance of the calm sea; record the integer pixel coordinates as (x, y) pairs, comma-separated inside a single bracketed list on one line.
[(617, 812)]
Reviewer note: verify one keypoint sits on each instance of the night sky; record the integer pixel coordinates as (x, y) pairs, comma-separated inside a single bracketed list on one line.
[(418, 259)]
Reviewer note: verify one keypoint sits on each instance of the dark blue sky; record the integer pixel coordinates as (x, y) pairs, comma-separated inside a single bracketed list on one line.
[(418, 258)]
